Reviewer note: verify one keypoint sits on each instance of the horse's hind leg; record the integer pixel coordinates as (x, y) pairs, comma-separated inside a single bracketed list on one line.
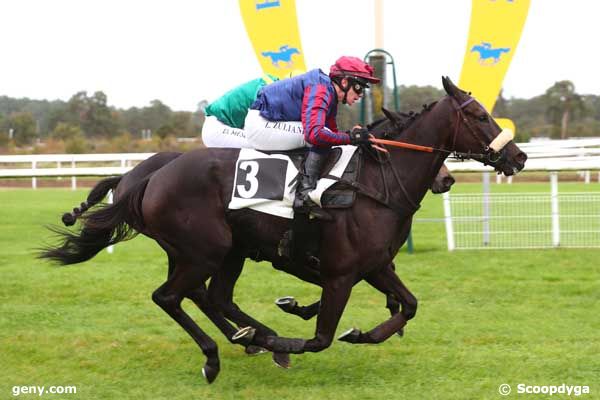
[(200, 297), (220, 292), (184, 279)]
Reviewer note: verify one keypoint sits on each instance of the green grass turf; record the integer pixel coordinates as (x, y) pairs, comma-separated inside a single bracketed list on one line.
[(485, 318)]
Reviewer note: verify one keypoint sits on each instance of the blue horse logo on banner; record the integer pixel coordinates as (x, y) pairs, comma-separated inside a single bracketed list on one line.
[(284, 55), (261, 5), (487, 52)]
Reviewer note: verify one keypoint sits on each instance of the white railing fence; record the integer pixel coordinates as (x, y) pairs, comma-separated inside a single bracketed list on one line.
[(517, 220), (522, 220), (67, 165)]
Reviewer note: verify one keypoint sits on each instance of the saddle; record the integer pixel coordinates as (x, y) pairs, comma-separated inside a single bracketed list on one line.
[(338, 195)]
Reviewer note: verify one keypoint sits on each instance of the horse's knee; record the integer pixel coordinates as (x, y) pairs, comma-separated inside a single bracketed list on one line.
[(167, 302)]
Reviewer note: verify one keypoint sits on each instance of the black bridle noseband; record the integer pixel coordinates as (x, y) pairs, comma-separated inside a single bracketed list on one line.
[(489, 157)]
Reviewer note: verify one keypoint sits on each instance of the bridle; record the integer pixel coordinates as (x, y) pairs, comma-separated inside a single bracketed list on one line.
[(488, 157)]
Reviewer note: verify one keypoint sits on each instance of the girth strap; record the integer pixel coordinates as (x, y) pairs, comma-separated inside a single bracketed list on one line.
[(375, 195)]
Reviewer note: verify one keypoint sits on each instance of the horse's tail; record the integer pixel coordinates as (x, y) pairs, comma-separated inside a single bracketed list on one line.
[(110, 224), (96, 195)]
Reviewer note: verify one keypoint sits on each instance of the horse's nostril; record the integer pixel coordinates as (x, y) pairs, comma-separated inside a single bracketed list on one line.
[(449, 181), (521, 158)]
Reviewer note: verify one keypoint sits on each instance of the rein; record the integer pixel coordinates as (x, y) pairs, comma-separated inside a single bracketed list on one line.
[(385, 198), (486, 158)]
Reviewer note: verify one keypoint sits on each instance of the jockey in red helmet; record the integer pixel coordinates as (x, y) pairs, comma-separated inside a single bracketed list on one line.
[(351, 72), (305, 109), (350, 76)]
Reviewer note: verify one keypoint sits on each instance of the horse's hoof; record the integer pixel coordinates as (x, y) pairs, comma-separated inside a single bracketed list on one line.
[(210, 373), (400, 332), (350, 336), (253, 350), (244, 336), (286, 303), (282, 360)]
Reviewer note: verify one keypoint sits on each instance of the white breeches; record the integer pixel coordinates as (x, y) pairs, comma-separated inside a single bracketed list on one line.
[(217, 134), (263, 134)]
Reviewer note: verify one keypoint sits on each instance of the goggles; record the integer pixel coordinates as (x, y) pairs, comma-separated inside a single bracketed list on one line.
[(358, 85)]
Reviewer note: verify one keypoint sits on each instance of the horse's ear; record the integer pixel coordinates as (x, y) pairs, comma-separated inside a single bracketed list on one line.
[(390, 115), (448, 86)]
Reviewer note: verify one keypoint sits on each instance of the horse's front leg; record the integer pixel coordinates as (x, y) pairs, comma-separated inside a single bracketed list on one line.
[(387, 282), (336, 291)]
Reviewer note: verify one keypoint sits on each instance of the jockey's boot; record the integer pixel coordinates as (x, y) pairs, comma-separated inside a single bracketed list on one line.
[(303, 241), (307, 183)]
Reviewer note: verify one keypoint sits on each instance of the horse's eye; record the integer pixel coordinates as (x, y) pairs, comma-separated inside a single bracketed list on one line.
[(483, 118)]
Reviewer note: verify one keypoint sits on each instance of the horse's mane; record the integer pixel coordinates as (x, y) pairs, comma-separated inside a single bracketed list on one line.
[(403, 120)]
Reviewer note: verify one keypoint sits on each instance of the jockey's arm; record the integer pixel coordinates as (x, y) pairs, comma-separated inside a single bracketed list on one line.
[(319, 130)]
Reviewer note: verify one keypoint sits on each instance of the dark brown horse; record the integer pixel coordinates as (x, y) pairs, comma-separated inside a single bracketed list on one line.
[(396, 293), (183, 206)]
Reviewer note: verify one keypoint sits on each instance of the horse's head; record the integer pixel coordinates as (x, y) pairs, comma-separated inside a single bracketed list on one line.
[(475, 134)]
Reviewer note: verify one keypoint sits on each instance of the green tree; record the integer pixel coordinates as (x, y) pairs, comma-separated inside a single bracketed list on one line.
[(501, 107), (563, 104), (65, 131), (157, 115), (412, 98), (92, 114), (77, 145), (23, 126)]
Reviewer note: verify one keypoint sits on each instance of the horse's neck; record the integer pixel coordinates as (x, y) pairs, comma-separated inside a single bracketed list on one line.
[(417, 169)]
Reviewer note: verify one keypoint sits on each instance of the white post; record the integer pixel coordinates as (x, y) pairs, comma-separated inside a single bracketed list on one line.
[(34, 179), (486, 209), (59, 165), (448, 222), (587, 177), (554, 206), (73, 178), (379, 24), (110, 249), (498, 178)]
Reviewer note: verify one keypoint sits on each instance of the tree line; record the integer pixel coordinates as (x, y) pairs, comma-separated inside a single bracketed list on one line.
[(86, 123)]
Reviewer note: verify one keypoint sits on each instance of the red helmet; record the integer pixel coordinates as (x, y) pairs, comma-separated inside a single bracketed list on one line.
[(353, 67)]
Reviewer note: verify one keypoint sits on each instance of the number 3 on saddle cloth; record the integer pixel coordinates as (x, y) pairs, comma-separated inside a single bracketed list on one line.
[(266, 182)]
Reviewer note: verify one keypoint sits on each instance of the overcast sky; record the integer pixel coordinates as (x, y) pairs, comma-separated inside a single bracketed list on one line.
[(184, 51)]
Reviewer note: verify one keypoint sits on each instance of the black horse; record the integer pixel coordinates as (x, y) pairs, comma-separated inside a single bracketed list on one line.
[(396, 292), (183, 206)]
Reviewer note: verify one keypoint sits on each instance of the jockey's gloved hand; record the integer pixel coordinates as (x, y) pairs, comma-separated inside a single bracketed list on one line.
[(359, 136)]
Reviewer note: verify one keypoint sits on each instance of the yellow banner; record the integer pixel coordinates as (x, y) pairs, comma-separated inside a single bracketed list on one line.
[(272, 27), (496, 27)]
